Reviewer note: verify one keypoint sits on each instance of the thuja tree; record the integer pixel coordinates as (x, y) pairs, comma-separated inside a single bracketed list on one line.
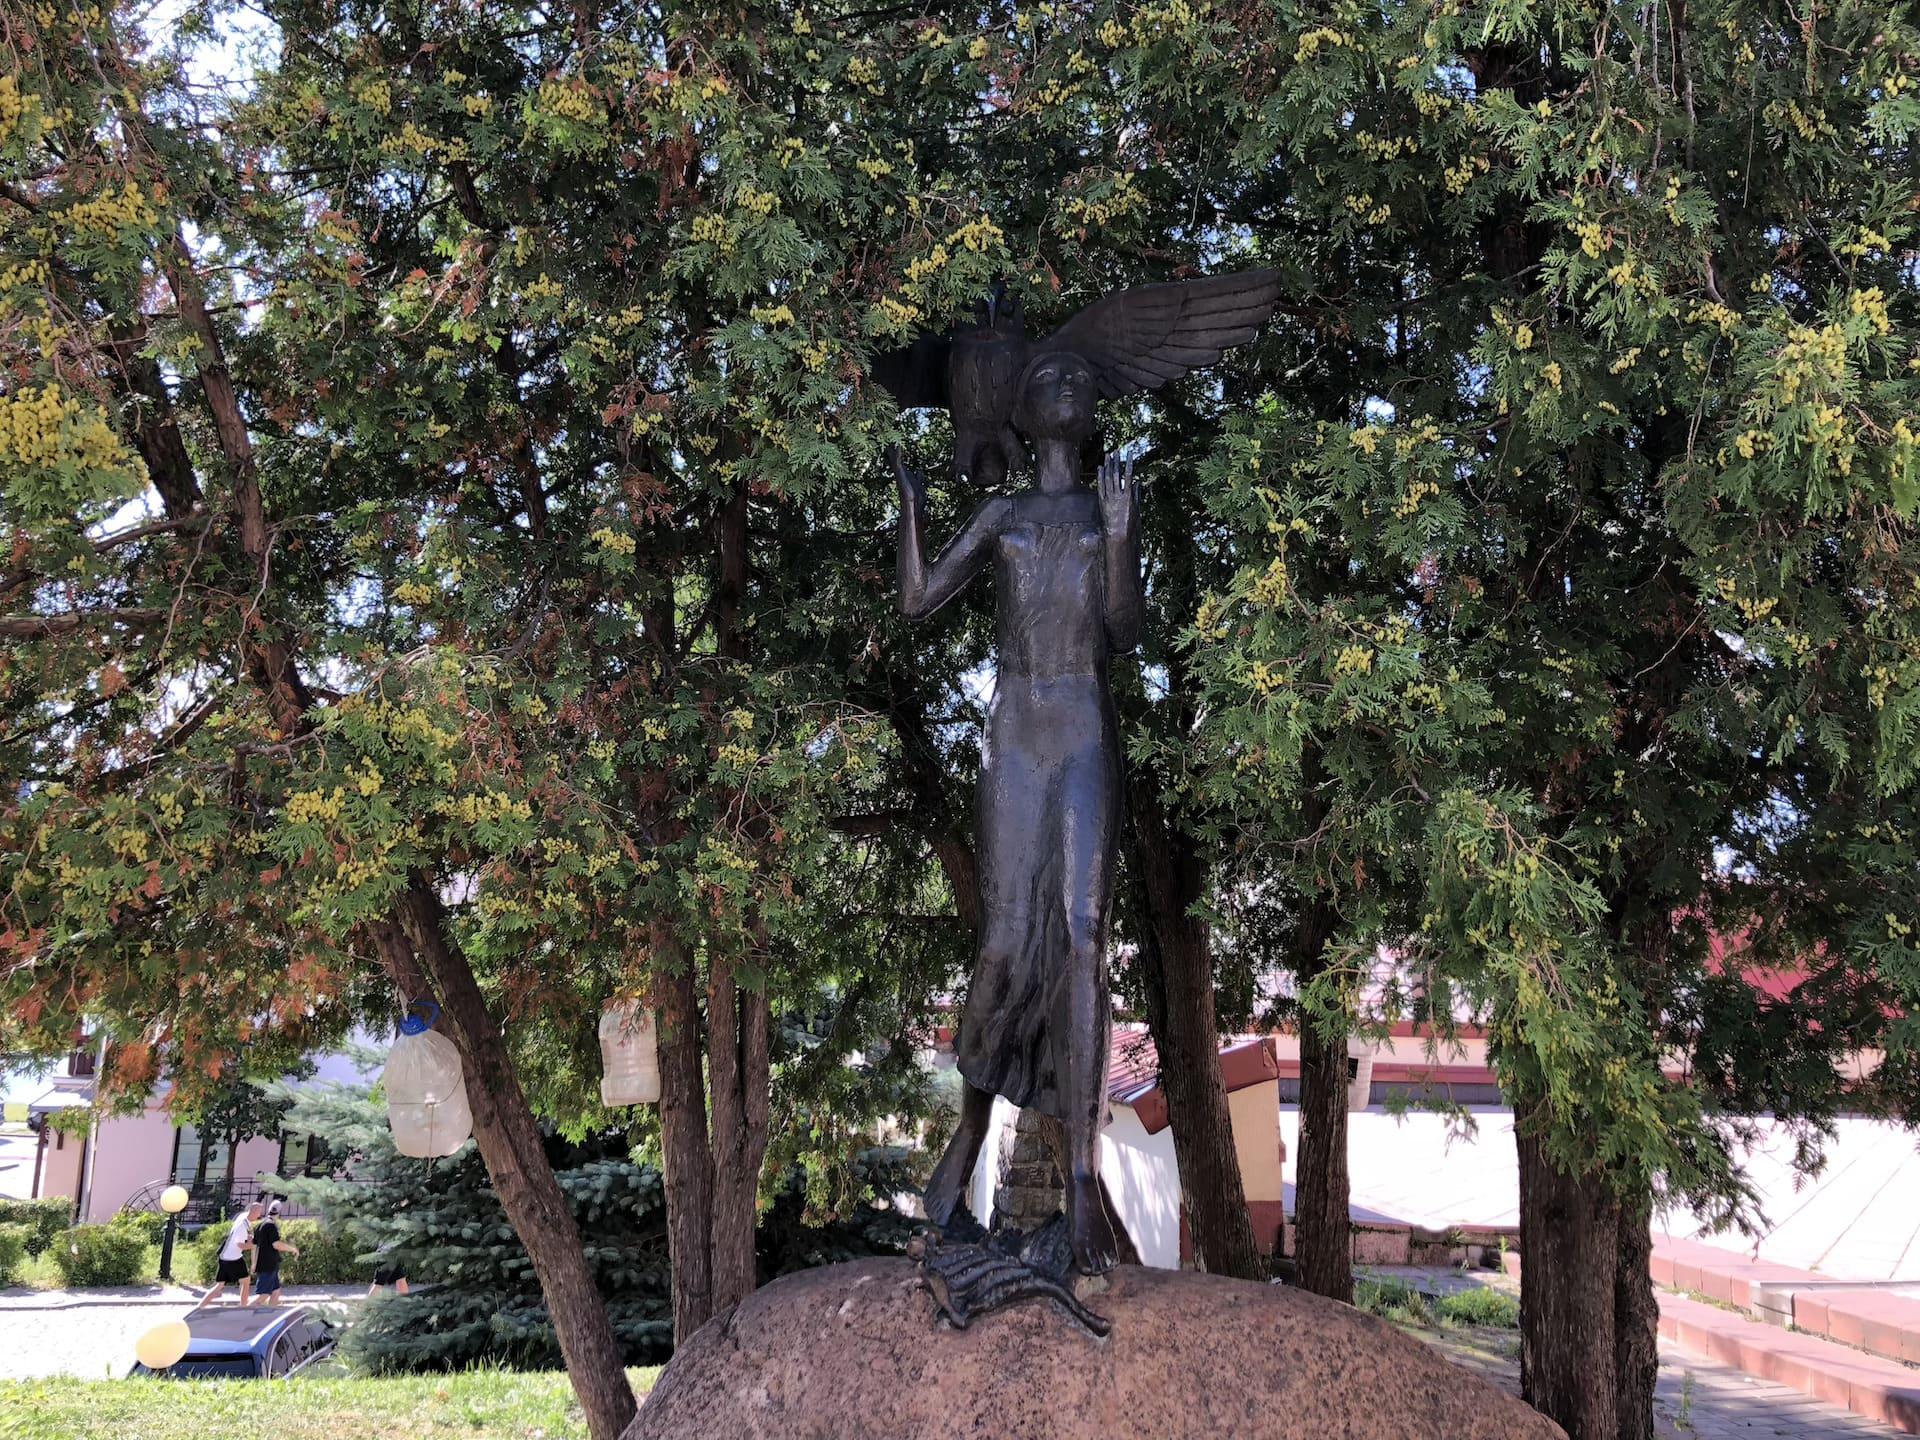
[(396, 441), (1608, 559), (441, 1224)]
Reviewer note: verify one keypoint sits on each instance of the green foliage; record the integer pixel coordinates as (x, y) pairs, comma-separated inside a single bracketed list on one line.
[(196, 1259), (1481, 1306), (1534, 609), (473, 1405), (478, 1301), (13, 1250), (1392, 1300), (149, 1223), (329, 1255), (117, 1253), (43, 1219), (441, 1222)]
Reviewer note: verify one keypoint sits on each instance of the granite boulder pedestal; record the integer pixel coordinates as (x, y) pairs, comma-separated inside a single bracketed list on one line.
[(853, 1351)]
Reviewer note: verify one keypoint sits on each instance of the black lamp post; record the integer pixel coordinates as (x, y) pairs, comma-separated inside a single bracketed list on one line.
[(172, 1200)]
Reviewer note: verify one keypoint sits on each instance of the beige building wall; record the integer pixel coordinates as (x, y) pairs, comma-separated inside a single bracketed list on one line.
[(1256, 1139), (60, 1160)]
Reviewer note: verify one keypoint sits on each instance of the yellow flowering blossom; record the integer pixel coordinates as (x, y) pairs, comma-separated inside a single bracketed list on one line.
[(978, 236), (107, 213), (1311, 43), (1409, 504), (42, 427), (760, 202), (1271, 587), (612, 540), (712, 230)]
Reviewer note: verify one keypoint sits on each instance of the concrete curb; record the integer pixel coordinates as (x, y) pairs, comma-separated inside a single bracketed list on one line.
[(1874, 1316), (1865, 1384)]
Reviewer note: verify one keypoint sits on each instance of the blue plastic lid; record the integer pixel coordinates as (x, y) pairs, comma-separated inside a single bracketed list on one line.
[(419, 1024)]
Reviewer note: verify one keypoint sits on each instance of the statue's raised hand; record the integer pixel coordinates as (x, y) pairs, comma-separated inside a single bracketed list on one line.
[(1117, 495), (913, 487)]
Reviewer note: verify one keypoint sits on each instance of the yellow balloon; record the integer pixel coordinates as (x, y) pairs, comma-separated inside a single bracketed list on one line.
[(163, 1345), (173, 1199)]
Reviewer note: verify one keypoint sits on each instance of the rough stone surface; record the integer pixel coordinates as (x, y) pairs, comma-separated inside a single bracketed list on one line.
[(1029, 1190), (853, 1351)]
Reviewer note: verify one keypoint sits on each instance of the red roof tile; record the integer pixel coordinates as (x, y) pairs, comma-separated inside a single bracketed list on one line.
[(1133, 1074)]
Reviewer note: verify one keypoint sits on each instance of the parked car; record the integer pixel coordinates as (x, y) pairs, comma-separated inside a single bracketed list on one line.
[(241, 1343)]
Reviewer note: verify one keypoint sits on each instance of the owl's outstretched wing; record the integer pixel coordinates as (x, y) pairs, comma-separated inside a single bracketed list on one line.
[(917, 375), (1140, 339)]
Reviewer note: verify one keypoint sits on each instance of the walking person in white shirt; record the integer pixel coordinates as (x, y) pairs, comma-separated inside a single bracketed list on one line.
[(233, 1257)]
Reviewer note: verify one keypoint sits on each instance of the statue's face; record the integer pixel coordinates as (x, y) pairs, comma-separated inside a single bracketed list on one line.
[(1058, 400)]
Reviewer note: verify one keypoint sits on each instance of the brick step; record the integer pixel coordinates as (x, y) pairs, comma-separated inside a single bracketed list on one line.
[(1874, 1316), (1880, 1389)]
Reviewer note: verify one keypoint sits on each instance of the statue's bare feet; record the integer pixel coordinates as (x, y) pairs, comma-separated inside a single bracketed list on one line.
[(948, 1183), (1095, 1251)]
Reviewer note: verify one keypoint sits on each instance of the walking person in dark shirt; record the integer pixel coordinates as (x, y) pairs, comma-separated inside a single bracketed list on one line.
[(390, 1270), (269, 1249), (233, 1258)]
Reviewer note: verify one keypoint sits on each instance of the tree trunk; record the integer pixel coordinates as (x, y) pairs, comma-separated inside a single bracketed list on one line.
[(737, 1067), (504, 1127), (1636, 1321), (686, 1155), (1569, 1269), (1178, 969), (737, 1019), (1323, 1252), (516, 1159)]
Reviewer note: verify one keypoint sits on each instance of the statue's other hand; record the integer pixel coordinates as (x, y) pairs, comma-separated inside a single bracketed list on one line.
[(913, 488), (1116, 495)]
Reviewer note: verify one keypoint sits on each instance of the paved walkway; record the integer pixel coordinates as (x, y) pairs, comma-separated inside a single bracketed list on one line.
[(1693, 1400), (90, 1333)]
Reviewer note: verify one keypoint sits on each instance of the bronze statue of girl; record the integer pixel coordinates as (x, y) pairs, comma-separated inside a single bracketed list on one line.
[(1068, 595), (1066, 565)]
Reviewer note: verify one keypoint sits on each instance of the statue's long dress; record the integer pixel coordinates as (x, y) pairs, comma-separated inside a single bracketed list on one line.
[(1048, 806)]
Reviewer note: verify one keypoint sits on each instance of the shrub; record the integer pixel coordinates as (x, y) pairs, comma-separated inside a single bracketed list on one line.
[(1481, 1306), (113, 1254), (1391, 1300), (327, 1254), (44, 1219), (197, 1257), (13, 1249), (150, 1223)]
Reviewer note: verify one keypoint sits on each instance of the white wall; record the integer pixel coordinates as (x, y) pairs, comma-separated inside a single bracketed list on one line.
[(986, 1170), (1144, 1181)]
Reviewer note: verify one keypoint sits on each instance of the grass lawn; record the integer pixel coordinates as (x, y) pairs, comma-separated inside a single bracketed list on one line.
[(481, 1405)]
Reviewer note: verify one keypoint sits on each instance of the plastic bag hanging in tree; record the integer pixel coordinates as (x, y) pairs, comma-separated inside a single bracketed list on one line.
[(426, 1093), (629, 1055)]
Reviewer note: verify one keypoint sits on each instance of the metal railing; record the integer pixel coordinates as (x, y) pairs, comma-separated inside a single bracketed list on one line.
[(212, 1201)]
